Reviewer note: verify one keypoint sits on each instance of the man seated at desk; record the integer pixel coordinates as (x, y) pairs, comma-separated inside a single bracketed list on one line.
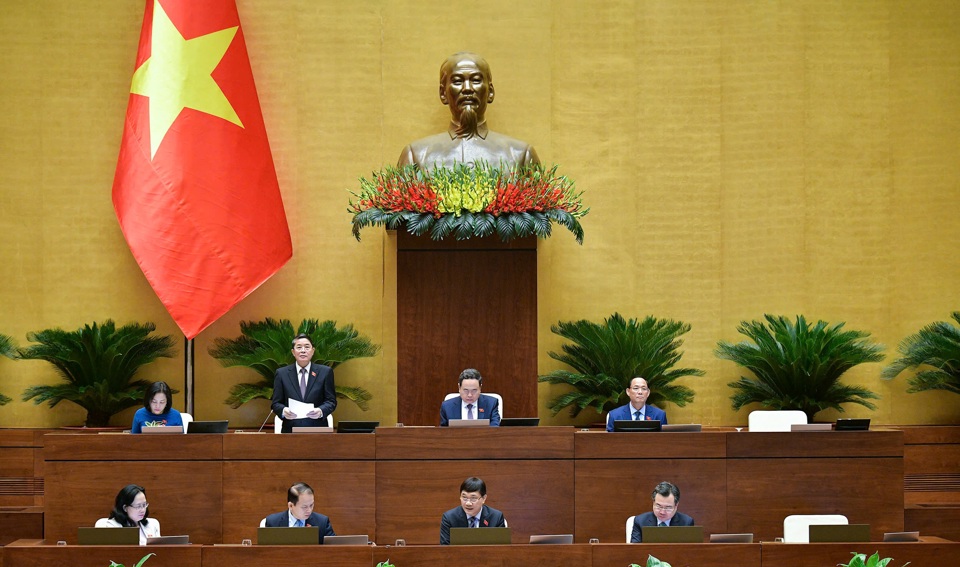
[(471, 513), (666, 498), (637, 409), (299, 512), (471, 404)]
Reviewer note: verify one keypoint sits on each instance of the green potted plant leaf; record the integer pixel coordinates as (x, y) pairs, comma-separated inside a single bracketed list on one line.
[(936, 348), (98, 364), (652, 562), (264, 346), (606, 356), (861, 560), (139, 563), (797, 366), (8, 348)]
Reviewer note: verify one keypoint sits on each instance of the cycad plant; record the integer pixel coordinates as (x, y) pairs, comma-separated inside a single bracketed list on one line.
[(98, 364), (797, 366), (606, 356), (8, 348), (935, 347), (265, 346)]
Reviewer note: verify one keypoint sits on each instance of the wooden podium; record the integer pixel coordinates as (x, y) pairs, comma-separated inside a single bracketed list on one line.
[(465, 304)]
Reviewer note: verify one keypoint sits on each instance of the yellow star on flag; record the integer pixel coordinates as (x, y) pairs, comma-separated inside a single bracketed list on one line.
[(178, 75)]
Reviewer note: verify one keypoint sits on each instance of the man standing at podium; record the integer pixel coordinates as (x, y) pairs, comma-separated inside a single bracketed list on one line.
[(666, 498), (471, 404), (637, 409), (307, 382)]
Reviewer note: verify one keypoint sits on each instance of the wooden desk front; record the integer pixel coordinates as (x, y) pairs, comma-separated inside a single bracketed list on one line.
[(32, 553), (926, 554)]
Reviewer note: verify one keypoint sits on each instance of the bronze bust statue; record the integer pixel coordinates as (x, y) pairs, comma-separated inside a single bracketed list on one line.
[(466, 86)]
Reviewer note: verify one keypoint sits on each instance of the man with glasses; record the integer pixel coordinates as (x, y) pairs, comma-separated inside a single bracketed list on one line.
[(471, 513), (299, 512), (666, 498), (637, 409), (307, 382)]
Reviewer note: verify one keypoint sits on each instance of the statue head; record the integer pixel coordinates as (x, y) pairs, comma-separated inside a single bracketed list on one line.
[(466, 86)]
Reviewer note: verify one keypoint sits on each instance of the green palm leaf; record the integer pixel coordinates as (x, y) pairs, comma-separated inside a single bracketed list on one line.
[(607, 356), (797, 366), (264, 346), (8, 348), (935, 348), (98, 364)]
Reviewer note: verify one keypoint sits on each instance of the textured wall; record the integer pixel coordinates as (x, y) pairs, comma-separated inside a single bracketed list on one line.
[(739, 158)]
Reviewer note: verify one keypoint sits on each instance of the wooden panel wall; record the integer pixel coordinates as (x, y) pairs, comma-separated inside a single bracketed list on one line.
[(470, 304)]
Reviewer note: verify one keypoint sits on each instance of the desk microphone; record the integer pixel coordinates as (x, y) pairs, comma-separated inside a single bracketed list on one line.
[(269, 413)]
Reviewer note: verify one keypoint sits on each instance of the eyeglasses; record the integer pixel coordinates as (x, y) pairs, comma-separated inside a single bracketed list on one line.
[(303, 347), (471, 499), (142, 506), (666, 509)]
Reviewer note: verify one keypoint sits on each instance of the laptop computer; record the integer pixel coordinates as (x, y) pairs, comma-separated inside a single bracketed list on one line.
[(108, 536), (219, 426), (672, 534), (901, 536), (636, 425), (552, 539), (731, 538), (362, 539), (853, 424), (288, 536), (831, 533), (161, 429), (169, 540), (695, 427), (357, 426), (479, 536), (468, 422), (519, 422)]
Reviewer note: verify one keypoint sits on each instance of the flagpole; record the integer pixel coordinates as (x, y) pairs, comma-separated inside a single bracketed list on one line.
[(188, 376)]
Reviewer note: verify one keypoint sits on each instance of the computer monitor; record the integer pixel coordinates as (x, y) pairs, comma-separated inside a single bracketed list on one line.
[(636, 425), (830, 533), (853, 424), (731, 538), (362, 539), (169, 540), (219, 426), (684, 427), (108, 536), (672, 534), (357, 426), (561, 539), (161, 429), (901, 536), (479, 536), (519, 422), (288, 536)]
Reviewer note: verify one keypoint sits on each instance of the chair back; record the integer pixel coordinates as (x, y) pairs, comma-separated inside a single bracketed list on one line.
[(630, 521), (496, 396), (775, 420), (796, 528), (263, 523), (187, 418)]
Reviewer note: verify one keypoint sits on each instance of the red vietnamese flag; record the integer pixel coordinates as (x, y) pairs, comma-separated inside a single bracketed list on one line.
[(196, 191)]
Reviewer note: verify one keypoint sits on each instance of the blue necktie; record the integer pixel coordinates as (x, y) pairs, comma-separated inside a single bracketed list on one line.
[(636, 415), (661, 525), (474, 522), (469, 411), (298, 523)]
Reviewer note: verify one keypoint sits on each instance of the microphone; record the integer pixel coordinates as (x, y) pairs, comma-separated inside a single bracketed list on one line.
[(269, 413)]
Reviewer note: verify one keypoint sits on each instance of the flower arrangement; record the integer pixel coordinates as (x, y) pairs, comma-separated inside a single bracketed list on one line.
[(469, 200)]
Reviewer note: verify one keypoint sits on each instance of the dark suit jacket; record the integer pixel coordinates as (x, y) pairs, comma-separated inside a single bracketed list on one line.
[(457, 518), (280, 520), (320, 392), (650, 519), (626, 412), (487, 408)]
